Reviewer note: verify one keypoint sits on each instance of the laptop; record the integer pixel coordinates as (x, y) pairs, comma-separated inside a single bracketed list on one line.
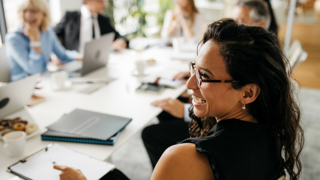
[(95, 56), (15, 95)]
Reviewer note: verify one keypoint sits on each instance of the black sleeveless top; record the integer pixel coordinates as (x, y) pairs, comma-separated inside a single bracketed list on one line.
[(240, 150)]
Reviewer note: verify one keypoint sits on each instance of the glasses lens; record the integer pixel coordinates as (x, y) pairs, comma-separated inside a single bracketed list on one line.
[(197, 78), (190, 69)]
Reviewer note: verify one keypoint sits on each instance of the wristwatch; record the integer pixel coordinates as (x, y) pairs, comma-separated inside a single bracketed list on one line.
[(35, 44)]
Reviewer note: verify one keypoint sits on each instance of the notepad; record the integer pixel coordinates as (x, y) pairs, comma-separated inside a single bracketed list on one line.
[(40, 165)]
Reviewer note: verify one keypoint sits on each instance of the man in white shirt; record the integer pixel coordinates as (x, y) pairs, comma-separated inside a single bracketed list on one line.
[(173, 121), (79, 27)]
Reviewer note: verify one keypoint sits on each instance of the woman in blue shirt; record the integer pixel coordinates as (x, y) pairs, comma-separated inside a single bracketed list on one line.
[(30, 46)]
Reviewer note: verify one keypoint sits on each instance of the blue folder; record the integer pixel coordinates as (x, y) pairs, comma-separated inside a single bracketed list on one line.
[(64, 137)]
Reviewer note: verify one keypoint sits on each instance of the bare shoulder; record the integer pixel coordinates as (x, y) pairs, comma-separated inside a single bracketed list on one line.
[(182, 162)]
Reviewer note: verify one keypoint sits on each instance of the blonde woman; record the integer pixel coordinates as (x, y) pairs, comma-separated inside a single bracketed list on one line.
[(184, 21), (30, 46)]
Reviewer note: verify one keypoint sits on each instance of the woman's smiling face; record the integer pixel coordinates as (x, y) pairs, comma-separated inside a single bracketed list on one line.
[(213, 99), (32, 16)]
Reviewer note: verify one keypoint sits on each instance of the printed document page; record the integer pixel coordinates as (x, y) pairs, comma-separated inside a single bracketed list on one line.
[(40, 165)]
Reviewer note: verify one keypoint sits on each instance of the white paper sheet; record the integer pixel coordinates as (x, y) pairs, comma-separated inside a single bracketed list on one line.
[(40, 166), (166, 78)]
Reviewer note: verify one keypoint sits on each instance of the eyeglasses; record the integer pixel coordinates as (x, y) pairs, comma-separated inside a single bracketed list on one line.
[(193, 70), (32, 11), (101, 1)]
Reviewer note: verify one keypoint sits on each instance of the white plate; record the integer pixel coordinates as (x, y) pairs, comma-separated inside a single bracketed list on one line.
[(24, 115)]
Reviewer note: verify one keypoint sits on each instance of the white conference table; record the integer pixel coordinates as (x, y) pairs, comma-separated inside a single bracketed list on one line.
[(116, 98)]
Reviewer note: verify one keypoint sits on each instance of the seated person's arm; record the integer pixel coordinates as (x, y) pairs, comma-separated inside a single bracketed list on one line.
[(182, 162), (28, 59), (119, 41), (174, 22), (187, 28), (177, 162), (63, 54), (168, 26), (173, 106)]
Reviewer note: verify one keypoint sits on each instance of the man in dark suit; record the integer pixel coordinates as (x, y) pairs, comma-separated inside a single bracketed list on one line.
[(79, 27)]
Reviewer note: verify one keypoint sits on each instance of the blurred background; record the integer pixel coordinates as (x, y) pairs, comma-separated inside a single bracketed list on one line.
[(144, 18)]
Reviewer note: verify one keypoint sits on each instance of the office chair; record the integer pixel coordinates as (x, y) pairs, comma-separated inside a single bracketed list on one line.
[(296, 54)]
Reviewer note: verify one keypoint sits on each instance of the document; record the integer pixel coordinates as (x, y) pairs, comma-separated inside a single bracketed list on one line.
[(40, 165)]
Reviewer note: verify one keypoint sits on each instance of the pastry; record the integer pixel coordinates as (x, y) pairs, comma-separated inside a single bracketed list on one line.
[(24, 122), (31, 128), (4, 133), (1, 127), (151, 61), (4, 122), (12, 122), (19, 127)]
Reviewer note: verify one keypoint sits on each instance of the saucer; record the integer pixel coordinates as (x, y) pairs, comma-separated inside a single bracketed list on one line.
[(67, 86), (136, 73), (52, 67)]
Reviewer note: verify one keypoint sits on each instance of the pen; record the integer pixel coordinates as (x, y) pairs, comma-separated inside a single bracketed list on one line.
[(53, 162)]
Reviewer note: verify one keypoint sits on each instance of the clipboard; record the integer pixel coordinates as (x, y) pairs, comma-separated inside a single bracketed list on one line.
[(39, 165)]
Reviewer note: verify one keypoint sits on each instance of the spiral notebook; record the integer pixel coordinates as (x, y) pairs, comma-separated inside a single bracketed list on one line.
[(39, 166), (65, 137)]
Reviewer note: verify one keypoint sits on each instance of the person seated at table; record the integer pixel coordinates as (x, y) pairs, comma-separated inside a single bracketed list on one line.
[(30, 46), (245, 121), (184, 21), (173, 121), (252, 13), (79, 27)]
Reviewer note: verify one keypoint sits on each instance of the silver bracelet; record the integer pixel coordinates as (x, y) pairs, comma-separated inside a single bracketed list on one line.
[(35, 44)]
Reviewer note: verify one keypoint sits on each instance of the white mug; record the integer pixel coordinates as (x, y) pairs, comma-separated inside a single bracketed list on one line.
[(14, 143), (140, 67), (59, 78), (176, 43)]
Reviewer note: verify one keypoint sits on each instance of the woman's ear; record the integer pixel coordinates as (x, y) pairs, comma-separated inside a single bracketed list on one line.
[(250, 93)]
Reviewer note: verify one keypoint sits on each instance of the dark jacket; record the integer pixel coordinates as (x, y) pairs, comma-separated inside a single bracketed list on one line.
[(68, 29)]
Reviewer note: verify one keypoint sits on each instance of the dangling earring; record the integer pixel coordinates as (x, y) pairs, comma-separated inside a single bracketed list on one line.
[(244, 107)]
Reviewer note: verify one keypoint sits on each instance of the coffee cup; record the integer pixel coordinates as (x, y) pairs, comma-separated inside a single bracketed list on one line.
[(140, 67), (14, 143), (176, 43), (59, 79)]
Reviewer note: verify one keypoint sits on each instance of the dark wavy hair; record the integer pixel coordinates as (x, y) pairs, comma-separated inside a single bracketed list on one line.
[(273, 24), (253, 56)]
